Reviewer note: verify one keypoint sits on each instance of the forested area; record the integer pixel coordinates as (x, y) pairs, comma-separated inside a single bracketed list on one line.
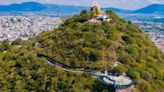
[(22, 71), (79, 43)]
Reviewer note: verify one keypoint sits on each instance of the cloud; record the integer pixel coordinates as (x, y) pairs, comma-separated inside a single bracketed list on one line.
[(154, 1)]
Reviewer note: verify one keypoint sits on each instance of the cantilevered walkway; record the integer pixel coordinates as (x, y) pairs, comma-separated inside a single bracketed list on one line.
[(115, 82)]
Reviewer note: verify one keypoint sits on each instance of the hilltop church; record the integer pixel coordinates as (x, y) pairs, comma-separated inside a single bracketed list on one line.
[(101, 15), (95, 7)]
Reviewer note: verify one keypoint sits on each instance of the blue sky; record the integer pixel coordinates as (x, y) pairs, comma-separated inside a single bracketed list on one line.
[(123, 4)]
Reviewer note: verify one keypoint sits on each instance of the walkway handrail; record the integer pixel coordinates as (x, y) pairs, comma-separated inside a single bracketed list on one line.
[(86, 69), (116, 86)]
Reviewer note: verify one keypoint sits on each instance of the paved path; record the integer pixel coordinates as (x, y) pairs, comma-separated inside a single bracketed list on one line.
[(106, 79)]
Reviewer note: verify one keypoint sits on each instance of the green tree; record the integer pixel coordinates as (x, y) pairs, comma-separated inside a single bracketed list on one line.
[(134, 74), (120, 69)]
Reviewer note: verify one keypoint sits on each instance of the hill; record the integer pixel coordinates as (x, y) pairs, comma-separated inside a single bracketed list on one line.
[(79, 42), (26, 6), (97, 46), (38, 7), (151, 9)]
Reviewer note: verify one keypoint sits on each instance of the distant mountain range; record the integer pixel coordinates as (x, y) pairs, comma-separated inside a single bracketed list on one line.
[(151, 9), (64, 9), (37, 7)]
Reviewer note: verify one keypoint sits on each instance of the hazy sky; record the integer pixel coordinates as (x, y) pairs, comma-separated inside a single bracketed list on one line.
[(123, 4)]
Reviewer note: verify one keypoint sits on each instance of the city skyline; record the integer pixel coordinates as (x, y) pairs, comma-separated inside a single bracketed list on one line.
[(122, 4)]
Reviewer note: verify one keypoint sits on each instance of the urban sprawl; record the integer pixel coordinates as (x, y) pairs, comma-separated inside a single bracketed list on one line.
[(25, 26)]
